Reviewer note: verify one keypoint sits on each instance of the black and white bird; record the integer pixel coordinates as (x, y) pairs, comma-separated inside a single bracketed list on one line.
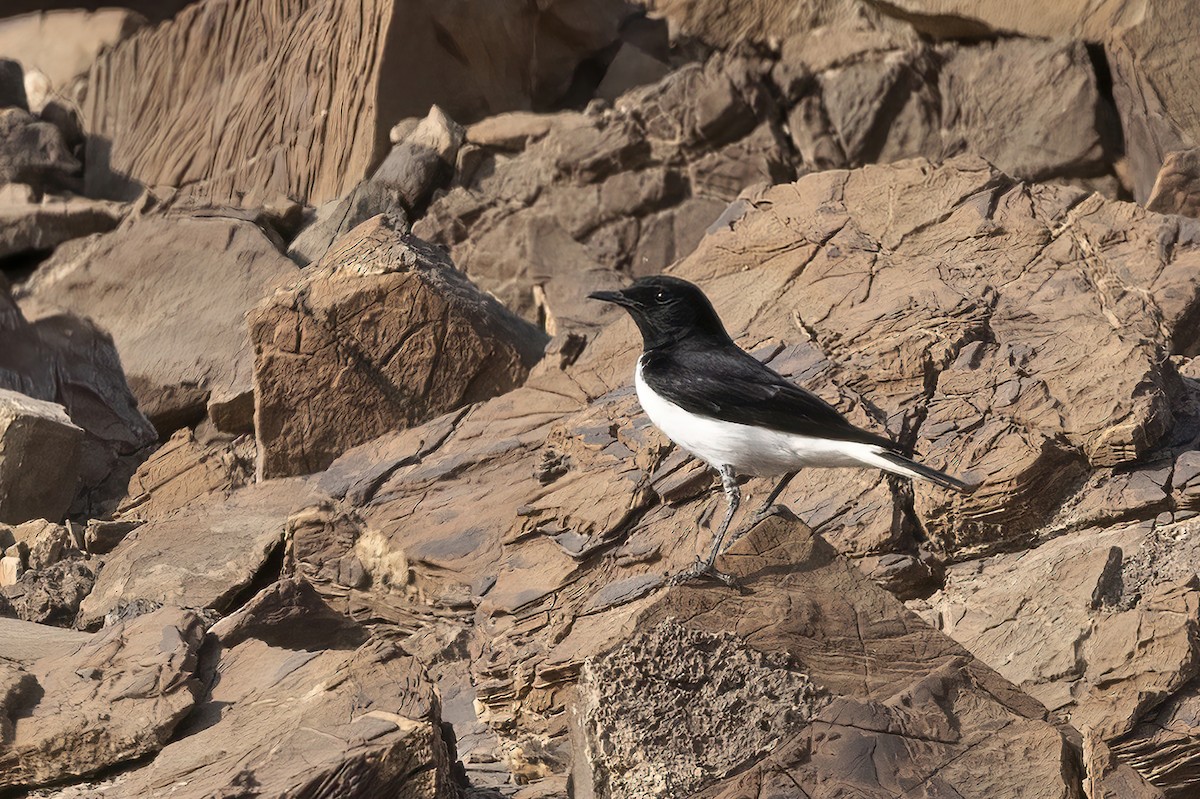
[(722, 405)]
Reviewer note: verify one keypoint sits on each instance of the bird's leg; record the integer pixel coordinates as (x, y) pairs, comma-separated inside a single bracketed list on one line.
[(765, 508), (701, 568)]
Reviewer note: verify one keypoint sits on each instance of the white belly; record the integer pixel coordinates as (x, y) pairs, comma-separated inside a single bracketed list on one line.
[(749, 450)]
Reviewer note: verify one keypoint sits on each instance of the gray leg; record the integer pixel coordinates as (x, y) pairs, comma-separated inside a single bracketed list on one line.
[(765, 508), (734, 498), (705, 567)]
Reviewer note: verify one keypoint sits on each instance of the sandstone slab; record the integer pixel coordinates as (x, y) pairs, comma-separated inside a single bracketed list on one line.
[(137, 283), (401, 335), (202, 558), (29, 226), (298, 701), (112, 698), (39, 459)]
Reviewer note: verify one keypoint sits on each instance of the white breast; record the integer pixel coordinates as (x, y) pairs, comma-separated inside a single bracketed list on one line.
[(749, 450)]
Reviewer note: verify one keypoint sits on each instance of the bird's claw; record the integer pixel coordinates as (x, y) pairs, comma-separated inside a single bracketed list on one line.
[(702, 570)]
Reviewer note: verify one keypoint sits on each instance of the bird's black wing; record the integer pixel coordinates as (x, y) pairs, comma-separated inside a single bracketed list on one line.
[(729, 384)]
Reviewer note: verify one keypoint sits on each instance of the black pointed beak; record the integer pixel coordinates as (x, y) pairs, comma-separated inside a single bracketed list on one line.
[(615, 297)]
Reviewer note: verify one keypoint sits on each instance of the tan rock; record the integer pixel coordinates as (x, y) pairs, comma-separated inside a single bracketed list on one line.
[(1176, 190), (395, 58), (182, 471), (402, 336), (115, 697), (202, 558), (61, 44), (39, 458), (136, 281), (29, 226), (305, 702)]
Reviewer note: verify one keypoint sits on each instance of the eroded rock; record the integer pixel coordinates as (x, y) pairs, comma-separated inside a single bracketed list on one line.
[(403, 336), (39, 459)]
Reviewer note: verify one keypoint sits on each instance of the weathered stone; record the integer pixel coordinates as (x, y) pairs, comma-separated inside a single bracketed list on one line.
[(1176, 190), (338, 217), (52, 595), (202, 558), (27, 225), (184, 470), (46, 542), (421, 161), (299, 705), (762, 21), (34, 152), (630, 68), (173, 291), (114, 698), (39, 459), (403, 336), (394, 59)]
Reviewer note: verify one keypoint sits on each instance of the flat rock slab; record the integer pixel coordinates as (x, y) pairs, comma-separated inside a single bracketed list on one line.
[(39, 459), (173, 292), (301, 703), (200, 557), (113, 697), (30, 226), (381, 333)]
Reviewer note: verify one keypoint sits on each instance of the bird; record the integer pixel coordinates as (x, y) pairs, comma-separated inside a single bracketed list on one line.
[(725, 407)]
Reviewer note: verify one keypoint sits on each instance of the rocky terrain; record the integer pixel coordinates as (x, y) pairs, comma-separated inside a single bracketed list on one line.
[(321, 477)]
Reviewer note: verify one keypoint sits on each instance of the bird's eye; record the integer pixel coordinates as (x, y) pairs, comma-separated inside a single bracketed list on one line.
[(661, 297)]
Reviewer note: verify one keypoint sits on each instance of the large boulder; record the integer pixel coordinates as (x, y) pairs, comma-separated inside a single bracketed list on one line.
[(382, 332), (39, 459), (29, 224), (115, 697), (34, 153), (173, 292), (66, 359), (394, 59)]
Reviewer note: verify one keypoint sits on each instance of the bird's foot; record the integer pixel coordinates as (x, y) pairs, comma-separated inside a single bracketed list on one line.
[(701, 570)]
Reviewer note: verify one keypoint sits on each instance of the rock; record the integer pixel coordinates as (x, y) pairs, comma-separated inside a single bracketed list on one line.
[(1080, 625), (421, 161), (1162, 747), (631, 67), (723, 25), (12, 83), (28, 226), (450, 344), (62, 44), (52, 595), (102, 536), (114, 698), (396, 59), (66, 359), (34, 153), (1019, 80), (134, 283), (12, 567), (184, 470), (338, 217), (202, 558), (634, 187), (45, 541), (301, 702), (1176, 190), (39, 459)]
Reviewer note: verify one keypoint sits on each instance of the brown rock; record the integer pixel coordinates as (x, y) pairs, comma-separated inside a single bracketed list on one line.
[(420, 162), (34, 152), (27, 225), (182, 471), (396, 58), (136, 282), (202, 558), (635, 186), (115, 698), (1176, 190), (402, 335), (762, 21), (303, 707), (52, 595), (338, 217), (62, 44), (39, 459)]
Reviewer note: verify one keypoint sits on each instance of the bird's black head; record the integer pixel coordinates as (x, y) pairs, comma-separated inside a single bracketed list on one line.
[(666, 310)]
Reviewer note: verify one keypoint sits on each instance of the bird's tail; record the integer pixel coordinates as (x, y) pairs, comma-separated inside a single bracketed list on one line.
[(896, 463)]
